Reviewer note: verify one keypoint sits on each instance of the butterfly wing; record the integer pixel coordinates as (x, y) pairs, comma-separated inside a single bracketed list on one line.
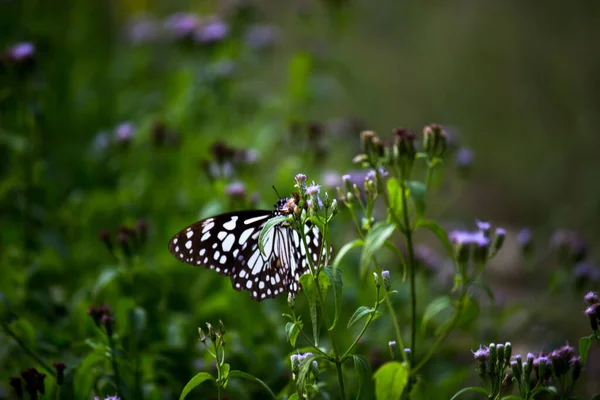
[(228, 244)]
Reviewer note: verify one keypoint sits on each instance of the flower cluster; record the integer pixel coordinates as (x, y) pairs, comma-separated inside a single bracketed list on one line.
[(493, 360), (298, 360), (475, 246), (130, 239), (34, 383), (593, 310), (102, 316)]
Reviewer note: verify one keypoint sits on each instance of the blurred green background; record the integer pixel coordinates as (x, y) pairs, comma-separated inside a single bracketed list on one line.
[(516, 82)]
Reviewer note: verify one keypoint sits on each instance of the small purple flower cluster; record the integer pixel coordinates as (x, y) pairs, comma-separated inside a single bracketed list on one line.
[(102, 316), (296, 361), (593, 310), (130, 239), (475, 246)]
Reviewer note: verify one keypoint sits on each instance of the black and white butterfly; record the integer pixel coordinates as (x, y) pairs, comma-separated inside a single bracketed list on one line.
[(228, 244)]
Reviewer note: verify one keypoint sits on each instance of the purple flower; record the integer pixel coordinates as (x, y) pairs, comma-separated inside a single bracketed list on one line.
[(124, 132), (483, 225), (181, 25), (22, 51), (236, 190), (482, 354), (313, 189), (300, 179), (592, 298), (212, 31), (464, 157), (142, 29), (260, 36)]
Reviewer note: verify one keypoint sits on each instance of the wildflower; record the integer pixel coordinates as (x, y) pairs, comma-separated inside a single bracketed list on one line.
[(124, 133), (60, 372), (260, 36), (387, 283), (434, 140), (586, 273), (124, 241), (181, 25), (592, 314), (211, 332), (482, 356), (377, 280), (236, 190), (405, 145), (464, 160), (499, 239), (313, 189), (142, 29), (543, 367), (393, 349), (465, 241), (591, 298), (34, 382), (300, 180), (212, 31), (525, 241), (508, 351), (291, 300), (575, 365), (201, 335), (484, 227), (295, 363), (560, 359), (22, 51)]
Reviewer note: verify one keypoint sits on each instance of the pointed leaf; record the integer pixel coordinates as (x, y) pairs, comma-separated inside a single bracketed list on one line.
[(390, 380), (584, 348), (418, 194), (441, 235), (225, 374), (196, 381), (363, 370), (252, 378), (395, 195), (470, 389), (335, 277), (292, 330), (376, 237), (309, 288), (359, 314), (436, 306), (344, 250)]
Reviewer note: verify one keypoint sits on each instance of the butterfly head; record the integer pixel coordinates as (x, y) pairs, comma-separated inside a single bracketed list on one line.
[(287, 205)]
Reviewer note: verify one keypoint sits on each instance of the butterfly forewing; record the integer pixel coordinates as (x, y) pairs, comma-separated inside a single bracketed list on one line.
[(228, 244)]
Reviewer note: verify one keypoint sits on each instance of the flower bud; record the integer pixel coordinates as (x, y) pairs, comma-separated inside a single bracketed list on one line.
[(314, 368), (360, 158), (393, 349), (60, 372), (108, 322), (592, 314), (435, 140), (221, 328), (493, 358), (405, 145), (104, 237), (499, 239), (334, 207), (201, 335), (377, 280), (211, 332), (591, 298), (295, 363), (387, 283), (525, 241), (500, 352), (575, 364), (516, 369), (484, 227), (291, 300), (366, 141), (300, 179), (508, 351)]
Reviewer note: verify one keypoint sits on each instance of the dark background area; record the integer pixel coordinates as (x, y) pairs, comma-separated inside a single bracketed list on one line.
[(516, 82)]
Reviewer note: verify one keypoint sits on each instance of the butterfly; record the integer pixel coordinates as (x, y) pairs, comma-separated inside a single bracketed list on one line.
[(228, 244)]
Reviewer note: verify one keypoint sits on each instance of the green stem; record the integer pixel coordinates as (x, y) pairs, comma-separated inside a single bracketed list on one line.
[(412, 274), (340, 375), (27, 350), (115, 365), (390, 306), (364, 328)]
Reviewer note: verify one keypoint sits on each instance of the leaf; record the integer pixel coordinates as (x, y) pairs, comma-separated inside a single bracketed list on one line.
[(302, 379), (225, 374), (106, 277), (309, 288), (265, 230), (85, 372), (390, 380), (252, 378), (376, 238), (335, 277), (441, 235), (363, 370), (137, 321), (344, 250), (395, 195), (196, 381), (359, 314), (418, 194), (294, 396), (584, 347), (470, 389), (292, 330), (436, 306)]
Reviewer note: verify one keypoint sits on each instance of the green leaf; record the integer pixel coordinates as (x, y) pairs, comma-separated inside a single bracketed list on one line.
[(511, 397), (225, 374), (265, 230), (252, 378), (335, 277), (359, 314), (418, 193), (196, 381), (395, 195), (363, 370), (137, 320), (584, 347), (390, 380), (86, 373), (294, 396), (376, 237), (470, 389), (303, 374), (441, 235), (436, 306), (292, 330), (344, 250), (309, 288)]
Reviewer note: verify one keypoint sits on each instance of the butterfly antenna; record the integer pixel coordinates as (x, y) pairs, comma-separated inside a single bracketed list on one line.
[(276, 192)]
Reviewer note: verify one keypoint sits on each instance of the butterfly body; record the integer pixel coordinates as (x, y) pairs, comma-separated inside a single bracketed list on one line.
[(228, 244)]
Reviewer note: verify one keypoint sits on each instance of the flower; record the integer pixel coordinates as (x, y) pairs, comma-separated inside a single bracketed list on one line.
[(313, 189), (212, 31), (181, 25), (464, 158), (124, 132), (21, 51), (591, 298), (236, 190)]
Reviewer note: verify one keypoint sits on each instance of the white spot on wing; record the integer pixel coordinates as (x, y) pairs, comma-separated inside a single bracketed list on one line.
[(205, 236), (249, 284), (245, 235), (189, 234), (228, 244), (221, 235), (230, 225), (253, 220), (188, 244)]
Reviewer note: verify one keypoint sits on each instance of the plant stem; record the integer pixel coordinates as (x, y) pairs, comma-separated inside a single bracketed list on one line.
[(115, 365), (390, 307), (412, 273), (27, 350), (340, 374)]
